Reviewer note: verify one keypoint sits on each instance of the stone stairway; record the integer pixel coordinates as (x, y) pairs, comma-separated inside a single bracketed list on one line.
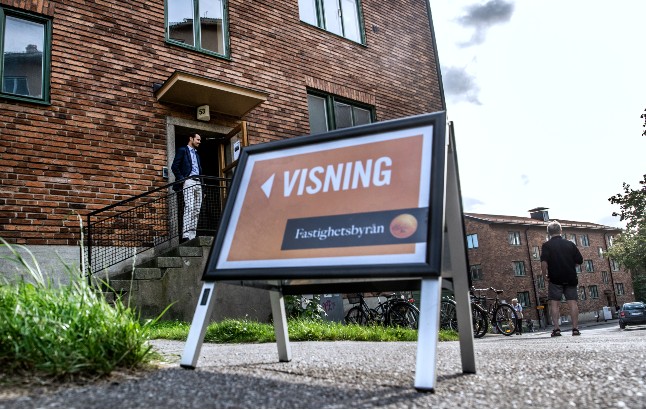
[(173, 278)]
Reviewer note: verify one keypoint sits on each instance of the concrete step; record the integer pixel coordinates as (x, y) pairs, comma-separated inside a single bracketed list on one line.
[(190, 251), (148, 273), (168, 262)]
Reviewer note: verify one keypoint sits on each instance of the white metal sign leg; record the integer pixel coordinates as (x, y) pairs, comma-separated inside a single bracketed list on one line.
[(198, 326), (427, 334), (280, 326)]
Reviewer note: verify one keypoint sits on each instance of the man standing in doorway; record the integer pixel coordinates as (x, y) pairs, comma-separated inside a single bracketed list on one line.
[(187, 164), (559, 258)]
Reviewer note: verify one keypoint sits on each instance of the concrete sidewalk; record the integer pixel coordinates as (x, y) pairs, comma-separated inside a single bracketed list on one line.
[(602, 368)]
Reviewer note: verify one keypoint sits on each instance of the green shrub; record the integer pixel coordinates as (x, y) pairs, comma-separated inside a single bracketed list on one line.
[(65, 330)]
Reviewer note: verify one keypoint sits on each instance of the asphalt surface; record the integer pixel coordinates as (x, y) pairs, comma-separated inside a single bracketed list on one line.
[(605, 367)]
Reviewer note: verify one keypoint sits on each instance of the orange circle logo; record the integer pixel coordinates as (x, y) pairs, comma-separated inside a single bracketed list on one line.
[(403, 226)]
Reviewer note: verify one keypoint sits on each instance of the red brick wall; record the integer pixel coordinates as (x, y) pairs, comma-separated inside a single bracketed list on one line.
[(103, 138), (496, 255)]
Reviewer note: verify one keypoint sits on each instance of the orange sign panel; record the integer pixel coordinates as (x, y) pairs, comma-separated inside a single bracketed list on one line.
[(338, 202)]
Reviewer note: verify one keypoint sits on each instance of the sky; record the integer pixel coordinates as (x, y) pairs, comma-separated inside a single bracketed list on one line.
[(546, 98)]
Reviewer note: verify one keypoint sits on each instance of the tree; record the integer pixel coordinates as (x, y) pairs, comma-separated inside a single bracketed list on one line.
[(629, 249)]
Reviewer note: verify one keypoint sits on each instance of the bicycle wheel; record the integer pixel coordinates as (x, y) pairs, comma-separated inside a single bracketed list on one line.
[(504, 318), (448, 315), (402, 314), (356, 316), (480, 321)]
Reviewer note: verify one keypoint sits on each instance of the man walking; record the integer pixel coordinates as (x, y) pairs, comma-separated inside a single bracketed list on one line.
[(187, 164), (559, 258)]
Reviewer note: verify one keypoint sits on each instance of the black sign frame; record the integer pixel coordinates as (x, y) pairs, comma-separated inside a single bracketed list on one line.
[(431, 267)]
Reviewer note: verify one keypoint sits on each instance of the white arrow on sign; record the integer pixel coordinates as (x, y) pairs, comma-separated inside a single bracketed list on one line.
[(266, 187)]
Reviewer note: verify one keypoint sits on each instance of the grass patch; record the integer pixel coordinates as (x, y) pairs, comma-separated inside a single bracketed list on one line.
[(65, 331), (245, 331)]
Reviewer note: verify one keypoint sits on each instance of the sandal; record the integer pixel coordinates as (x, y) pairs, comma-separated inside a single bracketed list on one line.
[(575, 332), (557, 332)]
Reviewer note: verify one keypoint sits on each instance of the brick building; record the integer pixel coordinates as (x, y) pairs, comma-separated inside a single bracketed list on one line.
[(97, 95), (504, 253)]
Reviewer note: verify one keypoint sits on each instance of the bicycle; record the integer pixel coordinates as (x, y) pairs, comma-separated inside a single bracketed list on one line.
[(391, 312), (501, 315), (449, 318)]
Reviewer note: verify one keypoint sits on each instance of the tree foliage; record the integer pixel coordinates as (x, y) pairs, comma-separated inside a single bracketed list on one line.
[(629, 248)]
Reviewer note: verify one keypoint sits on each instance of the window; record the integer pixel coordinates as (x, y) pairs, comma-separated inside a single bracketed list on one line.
[(573, 238), (540, 282), (585, 241), (600, 252), (25, 57), (341, 17), (582, 295), (536, 253), (593, 291), (589, 266), (329, 112), (472, 241), (577, 268), (523, 299), (619, 289), (209, 35), (519, 268), (614, 265), (514, 238), (476, 272), (610, 240), (605, 278)]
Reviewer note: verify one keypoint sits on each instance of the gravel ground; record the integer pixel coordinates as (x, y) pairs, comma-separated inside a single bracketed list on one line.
[(602, 368)]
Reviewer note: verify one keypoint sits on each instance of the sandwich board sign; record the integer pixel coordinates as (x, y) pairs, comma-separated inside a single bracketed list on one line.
[(334, 212)]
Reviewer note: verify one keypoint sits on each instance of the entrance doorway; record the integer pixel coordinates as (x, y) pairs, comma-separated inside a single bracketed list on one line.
[(218, 161)]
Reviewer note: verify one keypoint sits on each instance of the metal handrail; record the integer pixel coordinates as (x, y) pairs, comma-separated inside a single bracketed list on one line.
[(147, 221)]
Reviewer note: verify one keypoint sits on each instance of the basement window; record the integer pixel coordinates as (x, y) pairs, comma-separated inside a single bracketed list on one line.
[(200, 25)]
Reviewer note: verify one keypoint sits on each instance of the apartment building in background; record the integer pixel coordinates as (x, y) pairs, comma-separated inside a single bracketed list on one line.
[(97, 95), (504, 253)]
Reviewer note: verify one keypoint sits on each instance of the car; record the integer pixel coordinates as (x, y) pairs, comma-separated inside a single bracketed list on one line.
[(633, 313)]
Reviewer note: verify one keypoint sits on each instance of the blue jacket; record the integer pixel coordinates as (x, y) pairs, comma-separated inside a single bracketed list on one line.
[(182, 165)]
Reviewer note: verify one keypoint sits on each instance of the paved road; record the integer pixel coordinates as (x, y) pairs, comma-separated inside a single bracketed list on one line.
[(603, 368)]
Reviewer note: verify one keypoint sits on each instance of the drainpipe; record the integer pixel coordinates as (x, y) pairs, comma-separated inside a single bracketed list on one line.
[(531, 273), (612, 279)]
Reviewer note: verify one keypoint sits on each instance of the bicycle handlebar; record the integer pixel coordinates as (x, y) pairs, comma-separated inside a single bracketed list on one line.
[(473, 289)]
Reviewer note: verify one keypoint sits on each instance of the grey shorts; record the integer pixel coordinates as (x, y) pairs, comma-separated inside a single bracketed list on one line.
[(555, 292)]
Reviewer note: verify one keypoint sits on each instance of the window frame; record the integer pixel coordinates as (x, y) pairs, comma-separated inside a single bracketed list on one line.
[(582, 293), (523, 299), (614, 265), (619, 289), (513, 237), (46, 22), (605, 277), (589, 265), (478, 268), (540, 282), (584, 239), (519, 264), (319, 12), (471, 244), (330, 114), (197, 31), (593, 290)]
